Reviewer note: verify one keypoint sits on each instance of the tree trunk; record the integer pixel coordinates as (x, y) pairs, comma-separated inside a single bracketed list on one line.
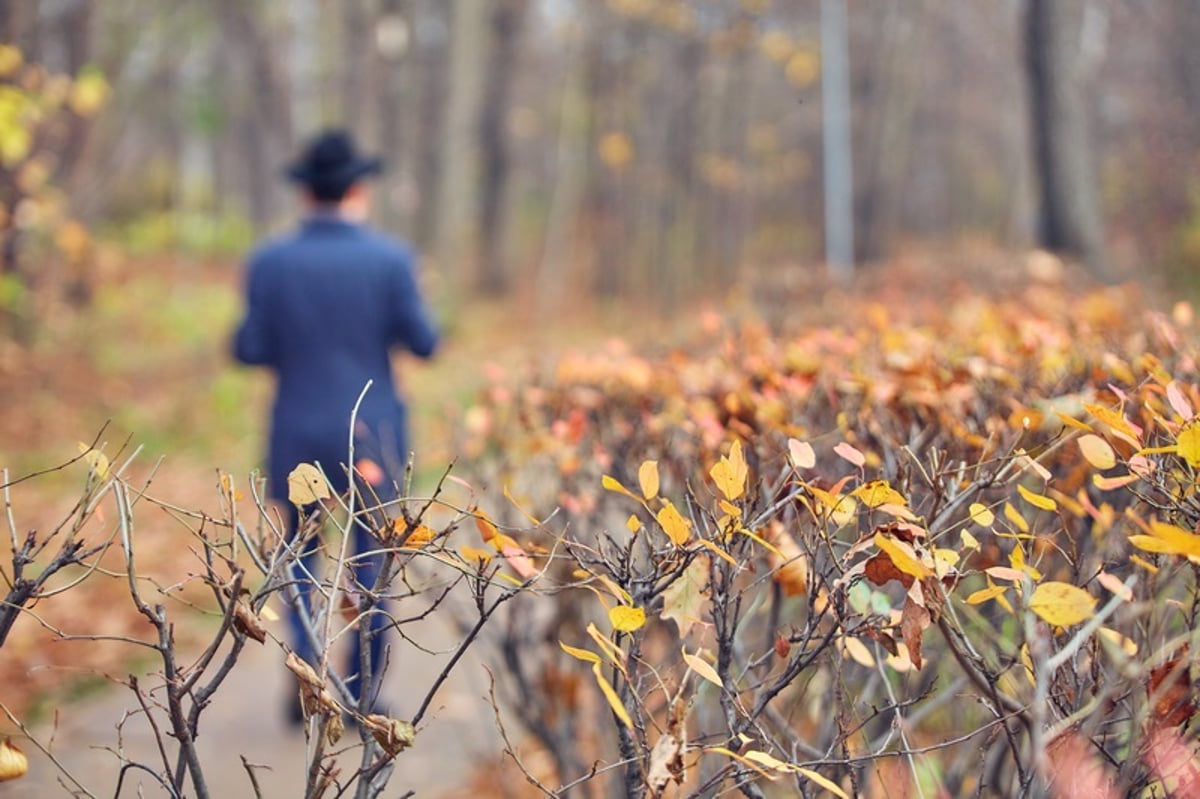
[(456, 191), (507, 17), (1069, 207)]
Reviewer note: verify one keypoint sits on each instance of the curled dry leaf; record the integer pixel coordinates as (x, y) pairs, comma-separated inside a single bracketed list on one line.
[(247, 622), (913, 621), (13, 763), (666, 758), (392, 734)]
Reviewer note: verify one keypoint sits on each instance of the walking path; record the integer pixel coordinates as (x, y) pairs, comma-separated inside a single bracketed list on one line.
[(246, 719)]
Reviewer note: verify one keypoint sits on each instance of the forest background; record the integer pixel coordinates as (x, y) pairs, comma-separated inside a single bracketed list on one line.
[(571, 171)]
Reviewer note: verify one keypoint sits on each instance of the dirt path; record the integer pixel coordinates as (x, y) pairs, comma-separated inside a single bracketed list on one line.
[(246, 719)]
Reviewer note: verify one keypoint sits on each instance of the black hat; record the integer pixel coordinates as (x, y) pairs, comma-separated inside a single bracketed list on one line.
[(331, 163)]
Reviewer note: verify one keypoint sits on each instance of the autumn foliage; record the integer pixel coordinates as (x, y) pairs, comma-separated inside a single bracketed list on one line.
[(958, 536)]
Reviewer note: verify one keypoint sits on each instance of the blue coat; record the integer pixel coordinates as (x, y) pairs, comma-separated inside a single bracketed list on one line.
[(325, 306)]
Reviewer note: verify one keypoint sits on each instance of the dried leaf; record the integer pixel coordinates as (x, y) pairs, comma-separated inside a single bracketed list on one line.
[(1062, 604), (880, 569), (801, 454), (913, 621), (13, 763), (824, 782), (246, 622), (307, 485), (848, 453), (1097, 451), (393, 735), (1170, 689), (666, 758), (684, 599), (703, 668), (1178, 401)]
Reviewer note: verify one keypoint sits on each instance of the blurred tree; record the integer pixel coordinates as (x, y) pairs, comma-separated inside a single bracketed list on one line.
[(506, 20), (1069, 207)]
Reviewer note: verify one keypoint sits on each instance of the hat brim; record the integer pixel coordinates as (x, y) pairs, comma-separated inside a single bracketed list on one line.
[(344, 175)]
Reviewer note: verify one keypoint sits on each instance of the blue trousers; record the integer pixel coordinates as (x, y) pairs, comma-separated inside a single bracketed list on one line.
[(361, 574)]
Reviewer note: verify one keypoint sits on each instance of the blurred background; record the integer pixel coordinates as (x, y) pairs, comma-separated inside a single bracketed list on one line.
[(572, 148), (548, 154)]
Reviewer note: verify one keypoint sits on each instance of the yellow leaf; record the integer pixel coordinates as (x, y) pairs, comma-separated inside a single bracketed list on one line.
[(1015, 518), (1097, 451), (677, 528), (472, 555), (824, 782), (968, 541), (613, 652), (982, 515), (767, 760), (419, 537), (1145, 564), (13, 763), (582, 654), (1113, 483), (626, 618), (703, 668), (1186, 543), (879, 492), (648, 478), (1071, 421), (610, 694), (903, 557), (307, 485), (1188, 444), (487, 528), (984, 594), (614, 485), (96, 460), (858, 652), (1062, 604), (1115, 420), (633, 523), (716, 550), (1037, 500), (89, 92), (801, 454), (1127, 645), (730, 472)]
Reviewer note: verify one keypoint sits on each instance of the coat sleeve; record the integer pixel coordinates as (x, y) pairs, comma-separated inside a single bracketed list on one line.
[(412, 326), (252, 343)]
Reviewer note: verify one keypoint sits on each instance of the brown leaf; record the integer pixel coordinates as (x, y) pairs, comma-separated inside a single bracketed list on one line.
[(1170, 689), (666, 758), (885, 640), (880, 569), (782, 647), (247, 622), (392, 734), (913, 621)]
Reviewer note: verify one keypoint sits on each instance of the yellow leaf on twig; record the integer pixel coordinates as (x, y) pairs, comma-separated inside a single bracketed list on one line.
[(1062, 604), (307, 485)]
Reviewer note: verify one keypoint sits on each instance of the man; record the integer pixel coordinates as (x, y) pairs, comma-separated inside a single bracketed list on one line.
[(325, 307)]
